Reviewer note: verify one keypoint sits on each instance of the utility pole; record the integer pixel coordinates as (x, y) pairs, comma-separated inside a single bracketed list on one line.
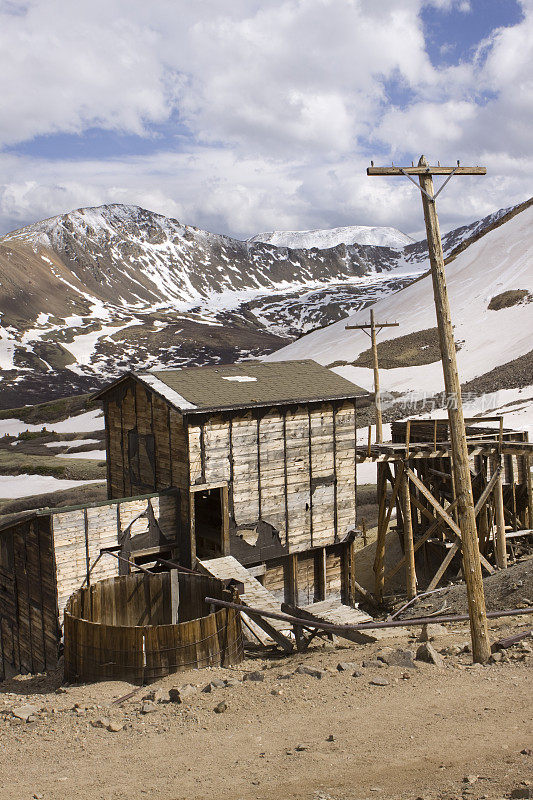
[(459, 447), (373, 338)]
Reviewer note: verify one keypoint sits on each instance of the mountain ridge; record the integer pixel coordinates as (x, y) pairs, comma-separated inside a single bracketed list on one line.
[(87, 294)]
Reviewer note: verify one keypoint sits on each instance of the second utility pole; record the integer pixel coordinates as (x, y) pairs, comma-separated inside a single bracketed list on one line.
[(373, 339)]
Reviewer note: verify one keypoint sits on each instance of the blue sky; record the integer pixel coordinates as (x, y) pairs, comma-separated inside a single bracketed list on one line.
[(262, 116)]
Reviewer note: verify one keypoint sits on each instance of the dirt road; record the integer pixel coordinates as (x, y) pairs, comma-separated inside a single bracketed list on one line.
[(288, 736)]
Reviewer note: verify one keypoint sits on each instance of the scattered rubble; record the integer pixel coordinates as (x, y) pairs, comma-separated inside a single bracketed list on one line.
[(398, 658), (26, 713), (254, 676), (216, 683)]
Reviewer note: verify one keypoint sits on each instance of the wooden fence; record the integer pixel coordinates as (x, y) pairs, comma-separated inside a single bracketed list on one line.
[(121, 629)]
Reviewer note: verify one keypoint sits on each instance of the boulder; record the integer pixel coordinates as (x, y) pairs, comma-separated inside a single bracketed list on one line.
[(426, 652), (26, 712), (347, 666), (398, 658), (180, 693)]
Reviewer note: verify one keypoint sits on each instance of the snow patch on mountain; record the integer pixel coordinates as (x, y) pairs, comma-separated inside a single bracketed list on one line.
[(498, 262), (91, 293), (325, 239)]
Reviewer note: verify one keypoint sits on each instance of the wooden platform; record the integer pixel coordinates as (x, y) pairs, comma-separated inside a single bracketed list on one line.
[(393, 451), (254, 595), (337, 613)]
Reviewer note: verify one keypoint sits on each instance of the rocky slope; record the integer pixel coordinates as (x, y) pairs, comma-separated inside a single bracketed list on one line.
[(91, 293), (88, 294)]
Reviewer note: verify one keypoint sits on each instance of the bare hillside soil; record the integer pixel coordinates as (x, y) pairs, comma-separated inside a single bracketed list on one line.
[(510, 588)]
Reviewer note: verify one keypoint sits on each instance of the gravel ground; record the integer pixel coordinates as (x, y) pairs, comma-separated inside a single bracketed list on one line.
[(291, 728)]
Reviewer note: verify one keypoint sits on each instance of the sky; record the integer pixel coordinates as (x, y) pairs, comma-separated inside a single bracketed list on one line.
[(240, 116)]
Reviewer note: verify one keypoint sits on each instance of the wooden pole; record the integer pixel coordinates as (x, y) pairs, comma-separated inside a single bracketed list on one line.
[(379, 559), (374, 347), (500, 545), (408, 543), (375, 365), (465, 505)]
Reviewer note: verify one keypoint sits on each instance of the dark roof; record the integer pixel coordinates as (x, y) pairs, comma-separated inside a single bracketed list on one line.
[(248, 384)]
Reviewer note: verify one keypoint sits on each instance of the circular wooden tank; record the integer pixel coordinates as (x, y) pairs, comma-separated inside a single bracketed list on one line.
[(122, 628)]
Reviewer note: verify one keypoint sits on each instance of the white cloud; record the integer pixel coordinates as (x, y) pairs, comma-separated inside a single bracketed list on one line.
[(283, 102), (219, 191)]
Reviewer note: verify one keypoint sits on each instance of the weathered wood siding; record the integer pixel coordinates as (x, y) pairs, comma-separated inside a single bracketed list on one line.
[(146, 442), (305, 578), (46, 558), (290, 472), (28, 609)]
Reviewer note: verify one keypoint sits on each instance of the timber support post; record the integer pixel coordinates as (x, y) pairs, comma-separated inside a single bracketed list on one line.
[(408, 543), (500, 544), (465, 501)]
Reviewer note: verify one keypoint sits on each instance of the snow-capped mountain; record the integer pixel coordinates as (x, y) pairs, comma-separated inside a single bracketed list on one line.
[(490, 286), (91, 293), (324, 239)]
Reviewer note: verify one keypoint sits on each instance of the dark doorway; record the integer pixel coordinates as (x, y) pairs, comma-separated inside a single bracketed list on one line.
[(209, 523)]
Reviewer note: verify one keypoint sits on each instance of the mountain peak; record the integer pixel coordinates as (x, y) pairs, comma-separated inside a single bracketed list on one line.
[(332, 237)]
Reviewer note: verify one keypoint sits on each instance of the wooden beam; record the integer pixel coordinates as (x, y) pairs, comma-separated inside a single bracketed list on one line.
[(430, 531), (410, 572), (431, 500), (460, 457), (373, 338), (457, 544), (224, 510), (446, 517), (500, 544), (380, 541), (444, 566), (383, 523), (421, 507), (459, 445), (529, 482), (426, 170), (292, 579), (320, 575), (277, 636), (375, 366)]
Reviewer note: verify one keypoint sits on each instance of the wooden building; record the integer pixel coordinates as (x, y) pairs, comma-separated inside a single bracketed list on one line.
[(47, 555), (263, 457)]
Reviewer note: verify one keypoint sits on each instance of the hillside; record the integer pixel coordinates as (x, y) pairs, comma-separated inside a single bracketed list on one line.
[(490, 286), (89, 293), (86, 295)]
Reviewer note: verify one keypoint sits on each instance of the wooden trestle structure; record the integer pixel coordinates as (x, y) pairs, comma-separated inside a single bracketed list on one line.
[(415, 477)]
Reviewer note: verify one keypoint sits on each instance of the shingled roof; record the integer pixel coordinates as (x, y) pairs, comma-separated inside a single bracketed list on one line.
[(247, 384)]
